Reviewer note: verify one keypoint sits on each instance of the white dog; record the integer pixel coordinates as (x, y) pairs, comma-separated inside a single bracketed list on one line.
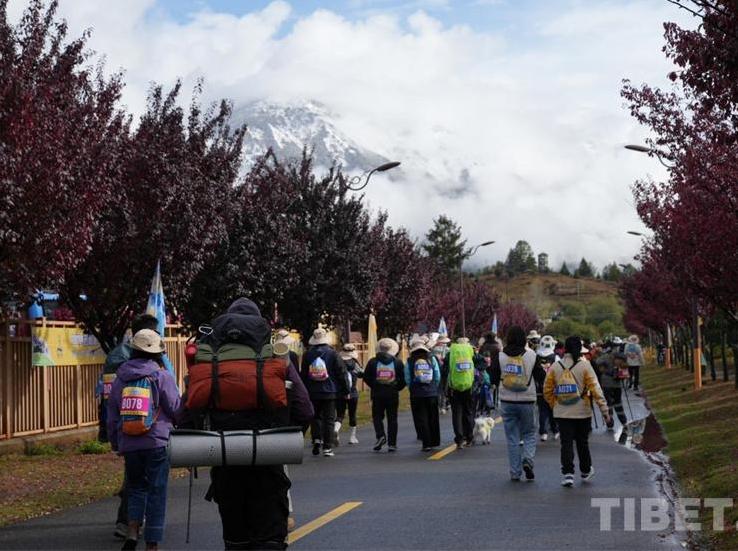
[(483, 429)]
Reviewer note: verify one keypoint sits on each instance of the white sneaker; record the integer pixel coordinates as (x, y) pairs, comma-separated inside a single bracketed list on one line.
[(352, 437), (328, 452), (567, 481), (336, 429), (544, 437), (556, 435), (587, 477)]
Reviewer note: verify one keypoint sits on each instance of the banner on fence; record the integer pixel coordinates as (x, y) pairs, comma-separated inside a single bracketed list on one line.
[(65, 346)]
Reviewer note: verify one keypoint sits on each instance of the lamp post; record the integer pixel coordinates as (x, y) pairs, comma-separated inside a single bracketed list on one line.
[(696, 337), (472, 251), (355, 183)]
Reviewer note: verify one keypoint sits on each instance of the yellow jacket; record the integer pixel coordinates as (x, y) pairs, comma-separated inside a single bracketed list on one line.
[(587, 383)]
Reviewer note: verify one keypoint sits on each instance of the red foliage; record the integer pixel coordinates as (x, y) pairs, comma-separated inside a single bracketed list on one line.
[(694, 214), (61, 137), (515, 313)]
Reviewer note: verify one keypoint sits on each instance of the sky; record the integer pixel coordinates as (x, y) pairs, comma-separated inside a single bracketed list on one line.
[(506, 114)]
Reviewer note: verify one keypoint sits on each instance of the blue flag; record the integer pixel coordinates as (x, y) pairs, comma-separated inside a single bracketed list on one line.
[(157, 309), (442, 328), (494, 324)]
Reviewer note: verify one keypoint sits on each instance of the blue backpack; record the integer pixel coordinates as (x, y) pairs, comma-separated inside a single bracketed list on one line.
[(137, 410)]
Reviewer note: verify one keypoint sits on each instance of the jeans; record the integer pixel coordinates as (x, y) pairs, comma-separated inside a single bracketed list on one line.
[(388, 405), (351, 404), (462, 415), (635, 376), (614, 398), (253, 504), (575, 430), (147, 474), (520, 424), (546, 416), (321, 428), (425, 415)]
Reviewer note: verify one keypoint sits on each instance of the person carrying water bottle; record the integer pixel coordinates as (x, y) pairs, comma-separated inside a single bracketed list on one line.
[(143, 407)]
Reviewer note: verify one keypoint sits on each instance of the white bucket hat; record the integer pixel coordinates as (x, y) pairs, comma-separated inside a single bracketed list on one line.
[(533, 335), (320, 336), (633, 339)]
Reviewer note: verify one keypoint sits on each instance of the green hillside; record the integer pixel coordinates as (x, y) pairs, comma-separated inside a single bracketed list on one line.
[(566, 305)]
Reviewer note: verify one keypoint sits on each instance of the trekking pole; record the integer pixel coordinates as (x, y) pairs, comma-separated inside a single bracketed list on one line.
[(189, 504), (627, 400)]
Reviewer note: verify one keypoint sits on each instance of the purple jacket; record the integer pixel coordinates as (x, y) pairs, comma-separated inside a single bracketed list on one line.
[(301, 408), (167, 400)]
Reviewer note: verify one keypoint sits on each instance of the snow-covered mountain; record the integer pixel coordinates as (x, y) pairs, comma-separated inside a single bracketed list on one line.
[(287, 128)]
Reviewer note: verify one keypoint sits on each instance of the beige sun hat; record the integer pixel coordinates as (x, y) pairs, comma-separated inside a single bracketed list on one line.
[(389, 346), (462, 340), (418, 345), (443, 340), (633, 339), (320, 336), (349, 352), (147, 340), (283, 336), (533, 335)]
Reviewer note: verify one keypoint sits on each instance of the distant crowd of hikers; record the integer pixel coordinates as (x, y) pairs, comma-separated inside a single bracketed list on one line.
[(251, 379)]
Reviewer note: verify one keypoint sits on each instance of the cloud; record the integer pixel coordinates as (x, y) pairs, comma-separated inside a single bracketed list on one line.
[(521, 123)]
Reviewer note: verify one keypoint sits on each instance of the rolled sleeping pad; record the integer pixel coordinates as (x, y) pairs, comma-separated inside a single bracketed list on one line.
[(201, 448)]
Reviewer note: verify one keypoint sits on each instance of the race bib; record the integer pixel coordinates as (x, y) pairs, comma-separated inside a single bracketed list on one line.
[(513, 369), (385, 374), (463, 366), (423, 373), (107, 384), (564, 389), (135, 401), (317, 370)]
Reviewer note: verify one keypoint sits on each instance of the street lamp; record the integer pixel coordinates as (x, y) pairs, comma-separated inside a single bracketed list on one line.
[(355, 183), (472, 251), (660, 155)]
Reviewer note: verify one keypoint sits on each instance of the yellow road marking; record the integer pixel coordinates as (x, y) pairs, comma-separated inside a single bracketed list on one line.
[(313, 525), (446, 451), (443, 453)]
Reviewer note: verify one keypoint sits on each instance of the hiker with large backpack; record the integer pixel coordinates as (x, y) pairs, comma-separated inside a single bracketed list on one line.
[(143, 407), (115, 358), (515, 370), (385, 376), (606, 367), (570, 388), (460, 392), (238, 382), (423, 376), (324, 375)]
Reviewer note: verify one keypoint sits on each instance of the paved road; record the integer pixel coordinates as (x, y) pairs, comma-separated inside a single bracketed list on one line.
[(463, 501)]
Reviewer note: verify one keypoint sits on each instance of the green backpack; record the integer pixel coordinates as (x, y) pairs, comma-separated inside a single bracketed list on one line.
[(461, 367)]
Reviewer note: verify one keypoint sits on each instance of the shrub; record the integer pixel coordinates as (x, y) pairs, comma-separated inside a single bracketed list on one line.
[(43, 449), (93, 447)]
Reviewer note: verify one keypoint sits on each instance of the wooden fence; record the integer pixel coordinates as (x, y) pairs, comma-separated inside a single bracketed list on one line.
[(44, 399)]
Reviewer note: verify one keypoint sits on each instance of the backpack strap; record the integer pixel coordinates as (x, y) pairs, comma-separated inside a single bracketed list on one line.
[(214, 385), (261, 399)]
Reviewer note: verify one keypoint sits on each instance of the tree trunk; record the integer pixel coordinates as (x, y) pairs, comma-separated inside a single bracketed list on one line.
[(710, 349), (724, 355)]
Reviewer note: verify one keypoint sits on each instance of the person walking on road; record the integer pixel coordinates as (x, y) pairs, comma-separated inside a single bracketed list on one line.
[(634, 356), (117, 357), (423, 377), (547, 357), (143, 407), (515, 372), (440, 351), (607, 373), (355, 372), (460, 383), (324, 375), (385, 376), (570, 388)]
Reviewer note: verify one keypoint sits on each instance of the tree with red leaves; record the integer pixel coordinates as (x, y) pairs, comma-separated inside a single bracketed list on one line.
[(515, 313), (61, 141), (694, 214), (169, 204)]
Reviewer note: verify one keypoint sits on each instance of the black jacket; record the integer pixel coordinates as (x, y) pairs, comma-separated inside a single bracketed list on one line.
[(336, 385), (381, 389)]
